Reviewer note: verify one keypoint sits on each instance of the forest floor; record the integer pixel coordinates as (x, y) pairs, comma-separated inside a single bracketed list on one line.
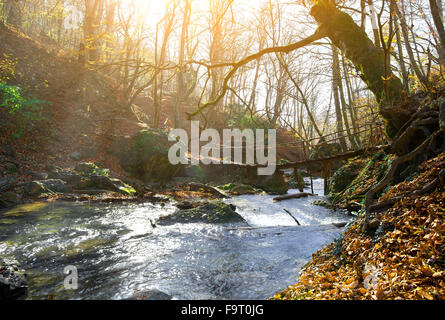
[(403, 259)]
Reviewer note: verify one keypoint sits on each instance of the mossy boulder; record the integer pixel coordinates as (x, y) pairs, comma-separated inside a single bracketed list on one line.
[(274, 184), (344, 176), (68, 175), (36, 188), (212, 212), (104, 183), (147, 158), (238, 189), (86, 168)]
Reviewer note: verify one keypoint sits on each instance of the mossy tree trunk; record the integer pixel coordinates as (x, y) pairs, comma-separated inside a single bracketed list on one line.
[(367, 58)]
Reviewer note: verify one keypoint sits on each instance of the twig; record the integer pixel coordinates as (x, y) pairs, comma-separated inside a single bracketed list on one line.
[(288, 212)]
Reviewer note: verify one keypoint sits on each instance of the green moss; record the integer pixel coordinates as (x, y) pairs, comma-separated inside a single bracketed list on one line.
[(128, 190), (344, 176), (227, 187)]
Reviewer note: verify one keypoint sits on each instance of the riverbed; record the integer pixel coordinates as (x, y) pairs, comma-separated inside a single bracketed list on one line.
[(119, 254)]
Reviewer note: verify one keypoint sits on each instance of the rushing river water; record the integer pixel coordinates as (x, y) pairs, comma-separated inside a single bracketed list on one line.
[(118, 253)]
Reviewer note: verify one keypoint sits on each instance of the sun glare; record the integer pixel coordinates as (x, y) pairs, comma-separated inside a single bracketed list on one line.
[(155, 9)]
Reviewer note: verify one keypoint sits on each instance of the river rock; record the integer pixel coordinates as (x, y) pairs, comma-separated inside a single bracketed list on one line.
[(13, 284), (96, 182), (146, 158), (242, 189), (374, 224), (212, 212), (321, 203), (86, 168), (185, 205), (67, 175), (238, 189), (35, 188), (39, 175), (56, 185), (151, 295), (274, 184)]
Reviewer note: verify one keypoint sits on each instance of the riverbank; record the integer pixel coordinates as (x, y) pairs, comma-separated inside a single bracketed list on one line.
[(403, 258)]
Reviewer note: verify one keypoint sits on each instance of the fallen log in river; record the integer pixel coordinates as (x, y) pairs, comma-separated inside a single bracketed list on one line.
[(294, 196)]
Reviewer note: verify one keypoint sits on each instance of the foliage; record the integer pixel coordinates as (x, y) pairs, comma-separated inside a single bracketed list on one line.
[(7, 68), (23, 108), (242, 119), (227, 187), (92, 169)]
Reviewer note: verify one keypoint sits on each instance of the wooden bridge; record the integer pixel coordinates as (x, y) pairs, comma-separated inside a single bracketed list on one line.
[(319, 166)]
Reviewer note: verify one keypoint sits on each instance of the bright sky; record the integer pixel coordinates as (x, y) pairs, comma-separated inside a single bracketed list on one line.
[(156, 8)]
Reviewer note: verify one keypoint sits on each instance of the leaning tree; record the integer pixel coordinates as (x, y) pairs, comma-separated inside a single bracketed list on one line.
[(415, 128)]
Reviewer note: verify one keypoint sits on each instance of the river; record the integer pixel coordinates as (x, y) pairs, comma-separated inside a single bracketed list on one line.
[(118, 253)]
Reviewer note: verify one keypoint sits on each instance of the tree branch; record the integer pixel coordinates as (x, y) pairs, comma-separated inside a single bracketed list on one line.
[(283, 49)]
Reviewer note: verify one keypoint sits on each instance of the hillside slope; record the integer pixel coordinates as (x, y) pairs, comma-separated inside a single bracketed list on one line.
[(403, 259)]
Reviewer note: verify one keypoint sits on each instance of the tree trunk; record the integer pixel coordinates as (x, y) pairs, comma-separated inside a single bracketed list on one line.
[(436, 13), (375, 28), (14, 15), (93, 13), (419, 73), (350, 104), (335, 89), (400, 57), (367, 58), (180, 85)]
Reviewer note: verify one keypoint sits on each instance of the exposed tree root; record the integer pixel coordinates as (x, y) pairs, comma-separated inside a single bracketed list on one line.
[(390, 202), (369, 198), (402, 143)]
